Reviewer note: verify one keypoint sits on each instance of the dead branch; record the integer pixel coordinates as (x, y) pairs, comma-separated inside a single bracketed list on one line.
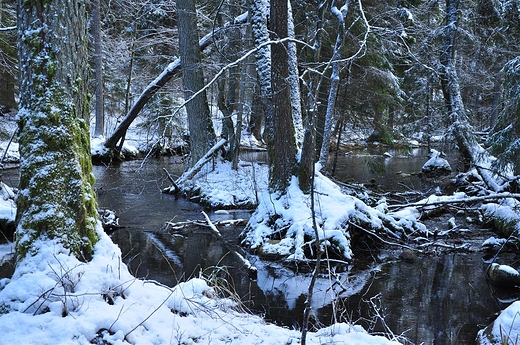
[(188, 175), (172, 180), (251, 269), (187, 226), (456, 201)]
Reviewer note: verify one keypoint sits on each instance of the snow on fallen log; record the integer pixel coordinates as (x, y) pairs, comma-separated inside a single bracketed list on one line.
[(190, 173), (457, 198)]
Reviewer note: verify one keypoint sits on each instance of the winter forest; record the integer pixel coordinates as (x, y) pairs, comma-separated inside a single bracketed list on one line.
[(261, 172)]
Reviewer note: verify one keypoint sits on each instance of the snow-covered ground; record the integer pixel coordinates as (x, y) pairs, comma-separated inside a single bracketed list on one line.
[(55, 299)]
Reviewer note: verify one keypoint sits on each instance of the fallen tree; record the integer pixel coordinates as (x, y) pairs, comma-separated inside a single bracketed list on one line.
[(168, 73)]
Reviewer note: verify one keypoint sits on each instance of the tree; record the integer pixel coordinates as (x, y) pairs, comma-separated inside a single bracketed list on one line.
[(340, 14), (56, 200), (202, 135), (98, 65), (280, 138), (505, 136), (7, 55)]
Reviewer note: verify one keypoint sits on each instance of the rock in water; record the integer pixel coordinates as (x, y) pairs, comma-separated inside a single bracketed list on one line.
[(436, 165), (503, 275)]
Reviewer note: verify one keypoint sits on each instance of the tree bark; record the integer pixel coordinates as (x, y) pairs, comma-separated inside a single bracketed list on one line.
[(259, 11), (308, 155), (99, 128), (471, 151), (281, 145), (340, 15), (56, 199), (200, 125)]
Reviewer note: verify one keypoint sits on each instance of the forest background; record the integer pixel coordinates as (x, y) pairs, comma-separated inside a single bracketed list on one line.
[(386, 64)]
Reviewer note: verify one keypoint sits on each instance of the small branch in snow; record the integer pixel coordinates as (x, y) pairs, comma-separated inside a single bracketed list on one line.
[(8, 28), (456, 201)]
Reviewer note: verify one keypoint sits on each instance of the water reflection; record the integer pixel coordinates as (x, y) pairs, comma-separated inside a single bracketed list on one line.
[(390, 169), (436, 300)]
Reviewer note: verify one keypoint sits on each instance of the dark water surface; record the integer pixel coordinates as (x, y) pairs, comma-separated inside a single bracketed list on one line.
[(438, 299)]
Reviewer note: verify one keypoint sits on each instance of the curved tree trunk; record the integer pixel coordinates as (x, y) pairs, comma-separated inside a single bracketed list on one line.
[(472, 152), (56, 199), (340, 15)]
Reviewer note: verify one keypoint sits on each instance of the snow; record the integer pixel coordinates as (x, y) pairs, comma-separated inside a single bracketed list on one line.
[(97, 147), (436, 163), (54, 298), (505, 329)]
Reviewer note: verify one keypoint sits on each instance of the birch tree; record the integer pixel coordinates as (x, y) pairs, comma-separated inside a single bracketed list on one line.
[(56, 200)]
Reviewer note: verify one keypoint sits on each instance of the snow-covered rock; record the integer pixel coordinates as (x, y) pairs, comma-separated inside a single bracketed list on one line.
[(437, 165)]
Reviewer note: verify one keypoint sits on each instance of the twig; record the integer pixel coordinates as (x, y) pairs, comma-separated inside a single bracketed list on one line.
[(150, 315), (383, 240), (172, 180), (457, 201)]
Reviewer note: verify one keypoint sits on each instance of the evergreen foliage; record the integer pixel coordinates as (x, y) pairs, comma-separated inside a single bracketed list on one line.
[(505, 136)]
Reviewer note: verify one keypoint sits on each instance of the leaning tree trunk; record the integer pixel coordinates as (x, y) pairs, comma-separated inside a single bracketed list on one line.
[(471, 151), (56, 199), (335, 78), (202, 135), (166, 75)]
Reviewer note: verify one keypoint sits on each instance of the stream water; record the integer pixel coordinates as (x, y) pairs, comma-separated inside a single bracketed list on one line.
[(438, 299)]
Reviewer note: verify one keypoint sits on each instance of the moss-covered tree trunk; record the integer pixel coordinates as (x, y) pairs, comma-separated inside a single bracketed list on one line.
[(56, 200)]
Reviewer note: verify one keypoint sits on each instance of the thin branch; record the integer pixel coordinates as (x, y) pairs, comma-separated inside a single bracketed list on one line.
[(456, 201)]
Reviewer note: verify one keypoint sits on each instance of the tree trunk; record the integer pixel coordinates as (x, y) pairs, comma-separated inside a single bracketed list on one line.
[(294, 81), (340, 15), (168, 73), (259, 12), (451, 90), (281, 145), (471, 151), (202, 135), (56, 199), (99, 128), (308, 155)]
